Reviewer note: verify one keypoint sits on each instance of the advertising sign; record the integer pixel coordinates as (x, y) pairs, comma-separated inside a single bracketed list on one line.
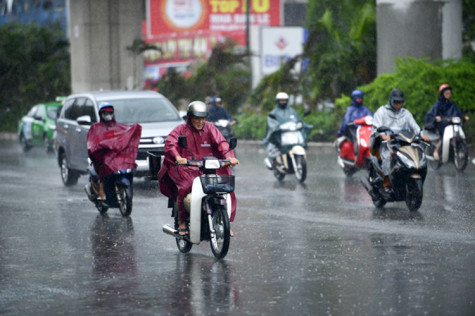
[(223, 17), (279, 44)]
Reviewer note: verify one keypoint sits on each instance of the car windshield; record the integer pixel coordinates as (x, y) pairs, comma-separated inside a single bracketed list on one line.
[(146, 110)]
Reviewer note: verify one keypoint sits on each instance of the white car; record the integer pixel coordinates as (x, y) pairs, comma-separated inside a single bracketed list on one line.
[(154, 112)]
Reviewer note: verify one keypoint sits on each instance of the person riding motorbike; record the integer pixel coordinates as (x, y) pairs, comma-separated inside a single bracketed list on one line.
[(355, 111), (443, 107), (217, 112), (281, 113), (111, 147), (396, 118), (204, 139)]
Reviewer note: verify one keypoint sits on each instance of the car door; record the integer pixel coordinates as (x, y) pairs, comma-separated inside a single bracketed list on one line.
[(37, 126), (86, 108)]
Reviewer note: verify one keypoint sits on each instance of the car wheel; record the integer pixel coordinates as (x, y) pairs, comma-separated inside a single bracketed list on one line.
[(69, 177), (47, 145), (24, 144)]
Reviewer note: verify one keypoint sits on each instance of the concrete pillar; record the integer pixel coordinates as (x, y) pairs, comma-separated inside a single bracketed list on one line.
[(417, 28), (100, 31)]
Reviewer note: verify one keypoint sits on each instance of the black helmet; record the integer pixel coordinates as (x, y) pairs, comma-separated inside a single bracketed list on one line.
[(198, 109), (395, 95)]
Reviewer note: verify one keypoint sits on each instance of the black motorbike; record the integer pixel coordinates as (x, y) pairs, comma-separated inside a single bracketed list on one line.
[(408, 171), (118, 189)]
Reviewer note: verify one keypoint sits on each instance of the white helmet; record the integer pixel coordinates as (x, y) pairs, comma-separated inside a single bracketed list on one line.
[(282, 99), (198, 109)]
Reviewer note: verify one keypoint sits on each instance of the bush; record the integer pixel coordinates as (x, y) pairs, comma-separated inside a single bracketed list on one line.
[(420, 79)]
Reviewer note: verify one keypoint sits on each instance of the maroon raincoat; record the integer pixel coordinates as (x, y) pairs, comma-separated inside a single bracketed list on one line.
[(113, 147), (175, 180)]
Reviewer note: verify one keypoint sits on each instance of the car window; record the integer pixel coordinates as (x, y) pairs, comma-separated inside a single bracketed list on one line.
[(40, 113), (88, 109), (68, 107), (147, 110), (52, 112), (75, 110)]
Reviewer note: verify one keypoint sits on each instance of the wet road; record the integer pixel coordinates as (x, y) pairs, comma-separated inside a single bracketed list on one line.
[(314, 249)]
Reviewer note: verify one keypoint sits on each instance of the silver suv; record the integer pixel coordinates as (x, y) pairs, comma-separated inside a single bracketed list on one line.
[(155, 113)]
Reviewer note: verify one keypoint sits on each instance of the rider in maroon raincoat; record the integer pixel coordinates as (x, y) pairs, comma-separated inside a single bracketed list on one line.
[(203, 140), (112, 146)]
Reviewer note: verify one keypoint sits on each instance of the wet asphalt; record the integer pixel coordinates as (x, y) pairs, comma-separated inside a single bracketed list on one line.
[(318, 248)]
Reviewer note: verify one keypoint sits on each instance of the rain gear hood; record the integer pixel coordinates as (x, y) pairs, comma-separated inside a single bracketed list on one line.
[(279, 116)]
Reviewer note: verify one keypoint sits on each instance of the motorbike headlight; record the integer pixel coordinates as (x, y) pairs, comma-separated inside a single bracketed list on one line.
[(405, 160), (212, 164), (299, 125)]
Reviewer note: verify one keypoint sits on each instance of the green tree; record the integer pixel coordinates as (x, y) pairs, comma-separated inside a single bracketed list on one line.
[(341, 46), (34, 68)]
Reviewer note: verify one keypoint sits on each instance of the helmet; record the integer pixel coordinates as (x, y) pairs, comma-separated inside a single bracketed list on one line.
[(218, 100), (395, 95), (106, 106), (444, 87), (357, 95), (198, 109), (208, 100), (282, 96)]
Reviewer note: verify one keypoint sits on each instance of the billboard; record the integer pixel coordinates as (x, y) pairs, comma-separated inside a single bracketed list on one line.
[(186, 30), (220, 17)]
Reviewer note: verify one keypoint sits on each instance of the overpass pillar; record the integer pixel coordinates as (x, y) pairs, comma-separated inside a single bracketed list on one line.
[(100, 31)]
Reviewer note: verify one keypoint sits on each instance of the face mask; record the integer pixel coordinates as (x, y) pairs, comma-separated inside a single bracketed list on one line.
[(107, 117)]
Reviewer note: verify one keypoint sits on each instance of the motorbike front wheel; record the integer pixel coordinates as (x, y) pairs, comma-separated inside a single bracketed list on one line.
[(460, 155), (414, 194), (300, 168), (434, 164), (220, 239), (124, 196)]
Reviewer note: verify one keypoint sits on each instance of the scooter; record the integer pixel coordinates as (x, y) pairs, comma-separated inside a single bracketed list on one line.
[(353, 157), (292, 141), (223, 126), (409, 170), (454, 146), (209, 206), (117, 187)]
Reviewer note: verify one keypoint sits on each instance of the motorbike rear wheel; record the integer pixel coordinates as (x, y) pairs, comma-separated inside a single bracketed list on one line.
[(278, 175), (300, 168), (184, 245), (102, 208), (460, 155), (124, 196), (414, 194), (219, 241)]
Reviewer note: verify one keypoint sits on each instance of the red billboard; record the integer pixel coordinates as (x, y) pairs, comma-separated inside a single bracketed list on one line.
[(186, 30)]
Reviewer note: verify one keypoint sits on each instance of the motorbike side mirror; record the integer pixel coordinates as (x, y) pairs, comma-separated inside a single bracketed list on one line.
[(232, 143), (307, 112), (272, 116), (182, 141)]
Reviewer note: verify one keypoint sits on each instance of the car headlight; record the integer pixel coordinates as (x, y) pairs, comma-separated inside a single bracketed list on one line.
[(158, 140)]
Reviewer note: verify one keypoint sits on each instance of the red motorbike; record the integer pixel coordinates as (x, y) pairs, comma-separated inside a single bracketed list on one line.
[(355, 156)]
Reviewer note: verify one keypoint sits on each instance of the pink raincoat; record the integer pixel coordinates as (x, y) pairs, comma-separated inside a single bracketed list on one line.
[(113, 147), (175, 180)]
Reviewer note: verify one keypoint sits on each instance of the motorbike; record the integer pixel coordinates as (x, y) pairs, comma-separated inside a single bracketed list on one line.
[(291, 139), (355, 156), (408, 173), (223, 126), (118, 188), (209, 206), (454, 146)]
